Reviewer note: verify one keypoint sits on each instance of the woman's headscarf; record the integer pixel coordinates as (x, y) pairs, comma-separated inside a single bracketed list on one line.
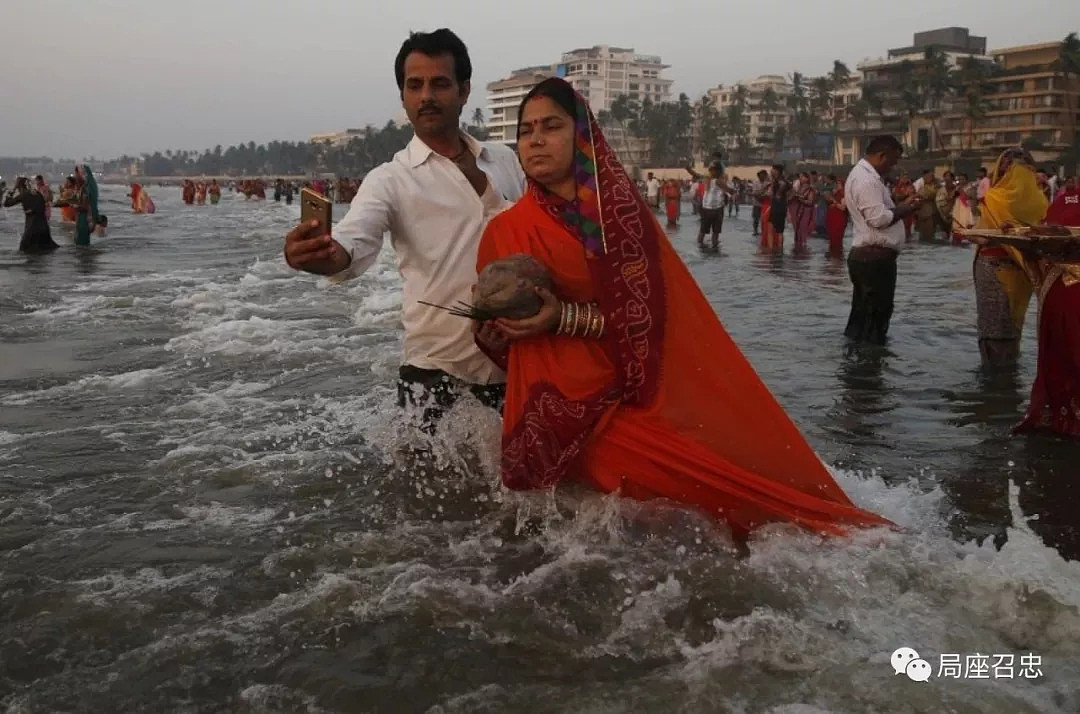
[(90, 186), (1014, 195)]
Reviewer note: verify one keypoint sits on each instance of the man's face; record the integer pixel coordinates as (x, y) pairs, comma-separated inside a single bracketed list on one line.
[(886, 160), (432, 98)]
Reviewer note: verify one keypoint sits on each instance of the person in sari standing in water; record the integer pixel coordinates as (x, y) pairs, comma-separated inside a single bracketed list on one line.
[(36, 237), (65, 201), (200, 193), (1002, 287), (774, 218), (902, 190), (140, 200), (805, 210), (1055, 394), (926, 217), (46, 193), (672, 201), (188, 193), (85, 201), (836, 217), (625, 379), (215, 192), (963, 210)]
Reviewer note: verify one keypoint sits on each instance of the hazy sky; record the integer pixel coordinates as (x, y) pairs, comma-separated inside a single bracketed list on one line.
[(105, 77)]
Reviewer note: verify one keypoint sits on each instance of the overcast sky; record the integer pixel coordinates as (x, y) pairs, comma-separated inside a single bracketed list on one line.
[(106, 77)]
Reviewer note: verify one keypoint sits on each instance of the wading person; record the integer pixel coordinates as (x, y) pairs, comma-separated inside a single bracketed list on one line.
[(434, 198), (626, 380), (877, 235)]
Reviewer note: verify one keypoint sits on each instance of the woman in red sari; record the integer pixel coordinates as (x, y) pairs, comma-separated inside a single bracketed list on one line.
[(1055, 395), (672, 201), (836, 218), (626, 379)]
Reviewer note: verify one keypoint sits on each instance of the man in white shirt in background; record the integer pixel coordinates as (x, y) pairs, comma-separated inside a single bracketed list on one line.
[(712, 207), (878, 235), (435, 198), (759, 189), (652, 191)]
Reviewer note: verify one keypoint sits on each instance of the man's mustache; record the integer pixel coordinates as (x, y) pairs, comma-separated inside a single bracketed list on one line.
[(430, 109)]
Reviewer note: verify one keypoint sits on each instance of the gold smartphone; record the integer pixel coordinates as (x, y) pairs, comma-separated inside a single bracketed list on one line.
[(316, 207)]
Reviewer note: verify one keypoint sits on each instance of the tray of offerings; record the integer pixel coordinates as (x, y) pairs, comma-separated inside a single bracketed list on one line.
[(1051, 240)]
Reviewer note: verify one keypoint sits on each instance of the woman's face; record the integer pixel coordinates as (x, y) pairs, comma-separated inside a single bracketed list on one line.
[(546, 141)]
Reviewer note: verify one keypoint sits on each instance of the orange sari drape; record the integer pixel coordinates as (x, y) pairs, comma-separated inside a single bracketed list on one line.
[(713, 436), (771, 241)]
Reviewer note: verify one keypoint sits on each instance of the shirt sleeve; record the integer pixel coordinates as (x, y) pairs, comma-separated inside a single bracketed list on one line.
[(361, 231), (870, 205)]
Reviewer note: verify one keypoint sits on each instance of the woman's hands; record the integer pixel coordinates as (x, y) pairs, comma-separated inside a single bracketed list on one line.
[(491, 336), (545, 322)]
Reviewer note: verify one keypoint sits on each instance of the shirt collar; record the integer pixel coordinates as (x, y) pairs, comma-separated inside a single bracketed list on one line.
[(866, 166), (419, 152)]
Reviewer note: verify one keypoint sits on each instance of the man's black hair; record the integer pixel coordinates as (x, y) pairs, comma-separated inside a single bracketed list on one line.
[(433, 44), (885, 142)]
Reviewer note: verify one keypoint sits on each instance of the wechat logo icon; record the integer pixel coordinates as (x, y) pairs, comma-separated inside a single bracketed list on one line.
[(907, 661)]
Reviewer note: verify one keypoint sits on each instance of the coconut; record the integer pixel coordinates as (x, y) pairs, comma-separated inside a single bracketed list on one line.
[(507, 287)]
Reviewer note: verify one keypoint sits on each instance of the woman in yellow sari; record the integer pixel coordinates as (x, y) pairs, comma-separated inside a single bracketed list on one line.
[(1002, 288), (625, 379)]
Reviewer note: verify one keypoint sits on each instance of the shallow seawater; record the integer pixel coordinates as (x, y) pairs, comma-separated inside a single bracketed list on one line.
[(204, 504)]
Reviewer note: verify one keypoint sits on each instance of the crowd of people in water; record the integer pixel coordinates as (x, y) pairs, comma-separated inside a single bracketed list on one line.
[(621, 374), (77, 202), (76, 199)]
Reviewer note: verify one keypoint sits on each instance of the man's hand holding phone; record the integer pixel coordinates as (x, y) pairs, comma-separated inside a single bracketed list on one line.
[(310, 248)]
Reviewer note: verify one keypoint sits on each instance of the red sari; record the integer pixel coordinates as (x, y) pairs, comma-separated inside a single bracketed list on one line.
[(672, 199), (664, 405), (1055, 394), (836, 220), (771, 241)]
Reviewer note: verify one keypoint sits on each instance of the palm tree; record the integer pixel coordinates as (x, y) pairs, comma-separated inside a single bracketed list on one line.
[(624, 111), (969, 83), (935, 84), (1067, 65)]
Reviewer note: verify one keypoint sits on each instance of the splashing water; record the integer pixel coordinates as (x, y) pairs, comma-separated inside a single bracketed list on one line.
[(209, 502)]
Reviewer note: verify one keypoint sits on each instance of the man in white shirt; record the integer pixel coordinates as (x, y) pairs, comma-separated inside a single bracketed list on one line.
[(759, 189), (652, 191), (434, 197), (878, 235), (712, 207)]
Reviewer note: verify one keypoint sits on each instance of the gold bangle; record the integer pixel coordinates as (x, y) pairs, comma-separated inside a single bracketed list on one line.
[(562, 320), (594, 328), (571, 319), (583, 319)]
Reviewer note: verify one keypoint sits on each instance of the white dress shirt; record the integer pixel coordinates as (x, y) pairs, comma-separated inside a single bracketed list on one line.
[(714, 195), (871, 208), (435, 220), (652, 188)]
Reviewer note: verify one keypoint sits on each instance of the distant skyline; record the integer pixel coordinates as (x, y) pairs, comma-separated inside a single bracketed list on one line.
[(111, 77)]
